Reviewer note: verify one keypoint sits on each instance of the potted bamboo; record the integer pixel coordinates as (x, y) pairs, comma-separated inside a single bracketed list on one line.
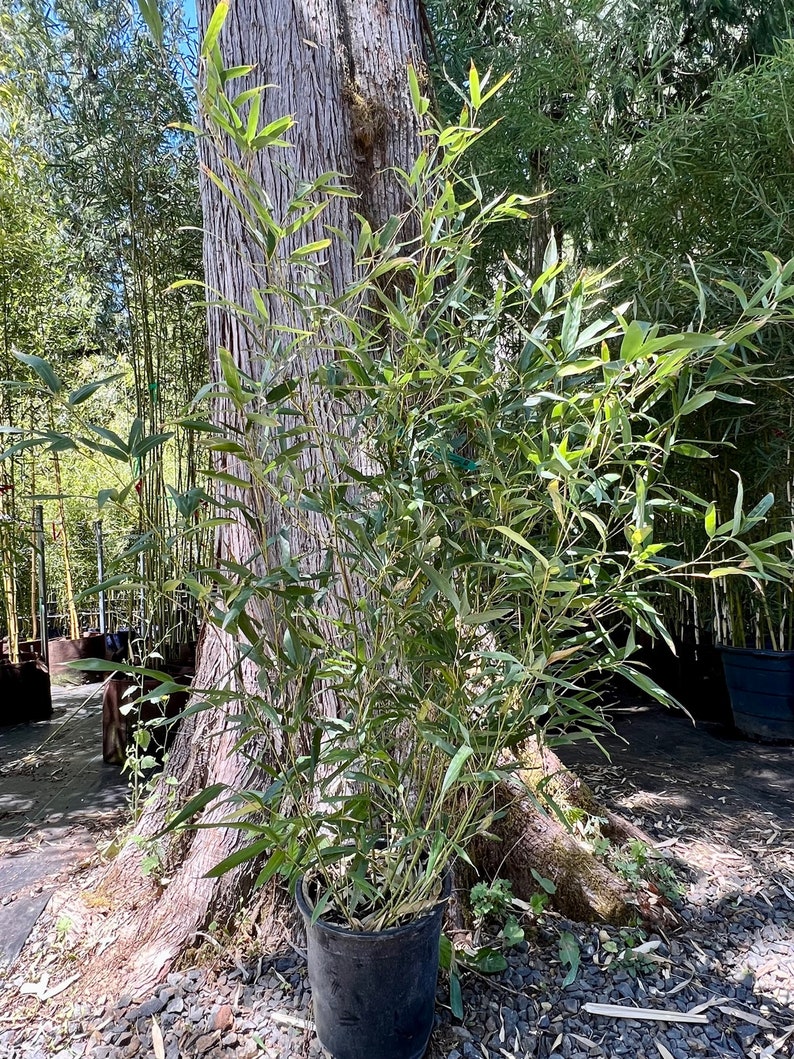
[(496, 531), (440, 508), (751, 616), (756, 642)]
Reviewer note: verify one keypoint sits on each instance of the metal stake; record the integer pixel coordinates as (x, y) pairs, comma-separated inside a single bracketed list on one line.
[(38, 523), (100, 565)]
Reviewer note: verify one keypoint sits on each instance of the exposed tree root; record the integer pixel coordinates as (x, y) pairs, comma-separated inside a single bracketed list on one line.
[(543, 771), (587, 889)]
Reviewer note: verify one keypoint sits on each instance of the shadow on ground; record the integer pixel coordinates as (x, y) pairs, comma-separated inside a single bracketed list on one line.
[(55, 795), (721, 809)]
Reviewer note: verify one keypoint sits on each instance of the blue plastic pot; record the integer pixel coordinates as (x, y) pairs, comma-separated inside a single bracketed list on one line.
[(761, 687), (374, 993)]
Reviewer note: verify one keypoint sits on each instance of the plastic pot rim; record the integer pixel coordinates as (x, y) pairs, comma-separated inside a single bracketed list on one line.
[(759, 652), (371, 935)]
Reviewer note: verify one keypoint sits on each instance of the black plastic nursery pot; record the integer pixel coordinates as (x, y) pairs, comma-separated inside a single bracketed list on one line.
[(761, 687), (63, 650), (374, 993), (24, 692), (117, 645)]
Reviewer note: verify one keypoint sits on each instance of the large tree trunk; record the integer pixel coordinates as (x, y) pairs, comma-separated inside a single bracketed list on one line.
[(340, 67), (341, 70)]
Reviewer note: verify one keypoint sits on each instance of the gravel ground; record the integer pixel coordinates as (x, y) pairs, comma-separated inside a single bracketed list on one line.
[(731, 955)]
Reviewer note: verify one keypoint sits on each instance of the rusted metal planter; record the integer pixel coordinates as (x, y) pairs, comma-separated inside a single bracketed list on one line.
[(64, 650), (119, 721)]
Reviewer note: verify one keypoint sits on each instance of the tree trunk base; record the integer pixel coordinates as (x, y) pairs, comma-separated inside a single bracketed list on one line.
[(587, 889)]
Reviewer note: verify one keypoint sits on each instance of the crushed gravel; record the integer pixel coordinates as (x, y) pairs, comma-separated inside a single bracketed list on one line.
[(731, 955)]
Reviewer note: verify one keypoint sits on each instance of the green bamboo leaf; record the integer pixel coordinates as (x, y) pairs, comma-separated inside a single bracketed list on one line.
[(522, 542), (214, 28), (442, 584), (579, 367), (570, 956), (43, 370), (695, 452), (420, 103), (195, 805), (710, 521), (274, 864), (455, 996), (249, 852), (761, 507), (495, 87), (698, 401), (484, 616), (454, 767), (82, 393), (474, 87), (486, 960), (321, 905), (309, 248), (572, 319), (253, 117), (118, 443), (151, 16)]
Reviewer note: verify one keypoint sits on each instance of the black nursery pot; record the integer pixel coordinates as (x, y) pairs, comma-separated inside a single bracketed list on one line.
[(761, 686), (374, 993), (24, 692)]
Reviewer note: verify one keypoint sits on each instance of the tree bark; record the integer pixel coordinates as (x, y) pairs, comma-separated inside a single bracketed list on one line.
[(340, 67)]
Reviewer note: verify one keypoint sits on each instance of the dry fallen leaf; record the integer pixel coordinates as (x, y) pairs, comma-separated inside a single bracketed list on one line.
[(291, 1020), (592, 1045), (747, 1016), (777, 1044), (665, 1053), (619, 1011), (157, 1040)]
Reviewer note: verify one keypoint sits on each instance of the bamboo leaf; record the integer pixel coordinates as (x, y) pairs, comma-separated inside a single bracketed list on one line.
[(710, 521), (442, 584), (151, 16), (570, 956), (195, 805), (240, 856), (474, 87), (454, 768), (214, 28), (43, 370), (455, 996)]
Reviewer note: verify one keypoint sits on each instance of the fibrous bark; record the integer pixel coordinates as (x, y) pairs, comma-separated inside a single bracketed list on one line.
[(340, 68)]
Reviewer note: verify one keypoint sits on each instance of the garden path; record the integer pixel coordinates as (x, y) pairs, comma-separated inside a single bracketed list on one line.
[(56, 795)]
